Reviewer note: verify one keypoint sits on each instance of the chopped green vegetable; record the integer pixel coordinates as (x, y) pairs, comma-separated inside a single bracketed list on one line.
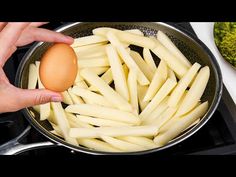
[(225, 39)]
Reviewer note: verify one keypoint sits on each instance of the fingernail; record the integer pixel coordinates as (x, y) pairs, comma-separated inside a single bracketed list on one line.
[(70, 39), (56, 99)]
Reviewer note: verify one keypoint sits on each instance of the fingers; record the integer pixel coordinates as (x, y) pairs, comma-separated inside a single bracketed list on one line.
[(8, 37), (37, 24), (3, 80), (32, 34), (2, 25), (45, 35), (10, 34), (27, 98), (11, 51), (14, 99)]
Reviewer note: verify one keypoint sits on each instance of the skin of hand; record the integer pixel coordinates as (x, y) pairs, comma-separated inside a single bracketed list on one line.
[(13, 35)]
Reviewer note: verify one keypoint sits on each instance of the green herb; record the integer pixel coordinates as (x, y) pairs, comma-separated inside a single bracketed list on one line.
[(225, 39)]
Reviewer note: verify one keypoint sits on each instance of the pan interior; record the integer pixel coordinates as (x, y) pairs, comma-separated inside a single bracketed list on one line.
[(191, 49)]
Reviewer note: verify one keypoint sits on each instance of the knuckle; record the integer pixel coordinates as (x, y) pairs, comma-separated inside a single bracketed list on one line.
[(40, 99)]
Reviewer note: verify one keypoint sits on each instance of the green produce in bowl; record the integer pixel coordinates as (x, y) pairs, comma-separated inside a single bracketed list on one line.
[(225, 39)]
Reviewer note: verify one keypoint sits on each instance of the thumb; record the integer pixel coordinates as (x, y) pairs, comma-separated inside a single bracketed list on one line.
[(27, 98)]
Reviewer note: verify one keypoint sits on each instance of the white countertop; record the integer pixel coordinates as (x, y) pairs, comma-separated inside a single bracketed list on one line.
[(204, 31)]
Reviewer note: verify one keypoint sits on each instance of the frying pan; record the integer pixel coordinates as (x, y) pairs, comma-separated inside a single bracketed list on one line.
[(190, 46)]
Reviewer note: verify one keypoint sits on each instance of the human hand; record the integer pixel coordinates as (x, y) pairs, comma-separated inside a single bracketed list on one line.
[(13, 35)]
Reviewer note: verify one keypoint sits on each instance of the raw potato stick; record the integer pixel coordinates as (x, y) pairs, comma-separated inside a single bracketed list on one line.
[(135, 31), (87, 40), (171, 75), (160, 95), (76, 99), (142, 89), (76, 123), (117, 100), (102, 31), (98, 51), (87, 47), (36, 108), (117, 72), (89, 95), (88, 142), (52, 117), (156, 112), (57, 131), (33, 77), (66, 98), (104, 113), (108, 78), (99, 70), (95, 52), (101, 122), (126, 70), (91, 55), (172, 61), (129, 61), (37, 64), (94, 62), (141, 141), (142, 64), (165, 40), (137, 40), (44, 108), (158, 80), (165, 116), (191, 83), (182, 85), (81, 84), (97, 145), (78, 77), (97, 132), (182, 124), (194, 123), (149, 59), (168, 124), (122, 145), (63, 122), (40, 85), (132, 85), (125, 45), (195, 92), (44, 111)]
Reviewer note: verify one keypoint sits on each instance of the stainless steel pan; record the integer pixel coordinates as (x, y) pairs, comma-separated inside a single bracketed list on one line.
[(191, 47)]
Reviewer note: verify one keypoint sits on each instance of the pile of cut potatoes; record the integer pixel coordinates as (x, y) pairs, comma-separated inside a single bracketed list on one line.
[(121, 100)]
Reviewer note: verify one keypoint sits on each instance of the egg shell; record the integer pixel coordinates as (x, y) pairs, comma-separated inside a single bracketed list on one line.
[(58, 67)]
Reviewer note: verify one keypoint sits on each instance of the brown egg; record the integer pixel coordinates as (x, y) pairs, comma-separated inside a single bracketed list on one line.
[(58, 67)]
